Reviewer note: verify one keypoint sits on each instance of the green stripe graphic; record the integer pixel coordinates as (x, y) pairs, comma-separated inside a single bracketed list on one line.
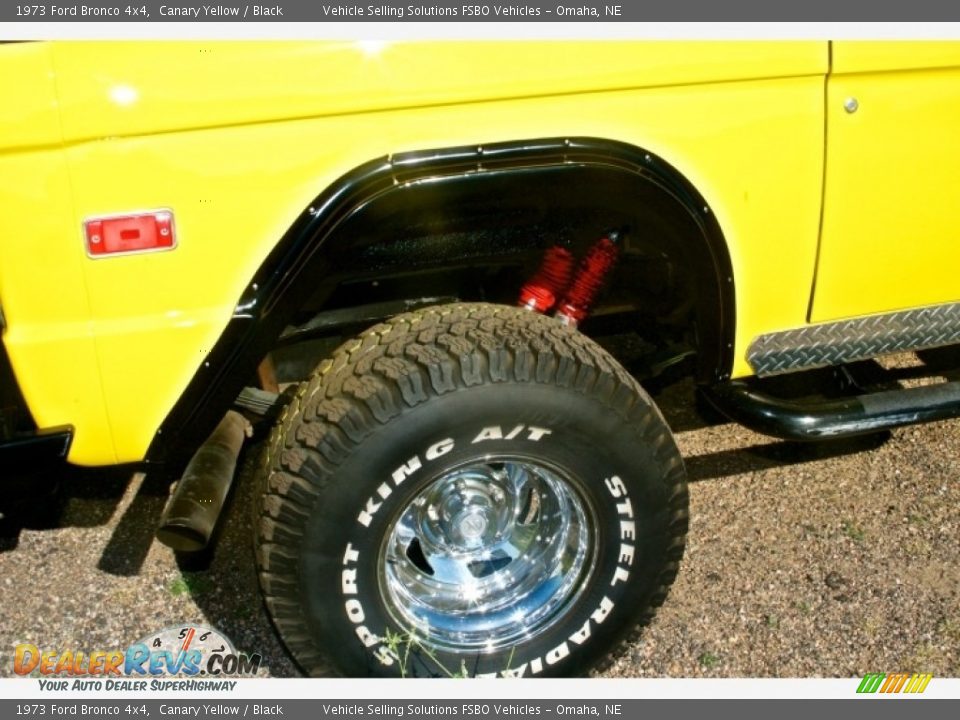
[(871, 682)]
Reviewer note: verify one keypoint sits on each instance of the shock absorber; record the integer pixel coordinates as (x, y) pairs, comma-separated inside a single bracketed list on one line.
[(589, 279), (540, 292)]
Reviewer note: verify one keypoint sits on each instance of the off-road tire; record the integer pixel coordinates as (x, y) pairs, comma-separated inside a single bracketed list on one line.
[(419, 398)]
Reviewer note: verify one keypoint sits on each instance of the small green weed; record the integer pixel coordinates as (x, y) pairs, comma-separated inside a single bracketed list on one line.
[(852, 531), (708, 659), (192, 583), (402, 644)]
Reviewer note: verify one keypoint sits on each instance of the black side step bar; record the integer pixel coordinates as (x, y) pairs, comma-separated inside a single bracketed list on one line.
[(827, 419)]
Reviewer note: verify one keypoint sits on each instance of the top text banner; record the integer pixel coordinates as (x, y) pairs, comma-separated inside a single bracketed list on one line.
[(402, 11)]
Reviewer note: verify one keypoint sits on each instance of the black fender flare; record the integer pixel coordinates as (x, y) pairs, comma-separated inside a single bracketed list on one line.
[(282, 283)]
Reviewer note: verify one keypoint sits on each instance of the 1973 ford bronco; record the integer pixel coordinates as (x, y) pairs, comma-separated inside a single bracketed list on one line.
[(442, 271)]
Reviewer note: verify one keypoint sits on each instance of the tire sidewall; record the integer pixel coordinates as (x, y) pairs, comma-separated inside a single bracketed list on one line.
[(619, 474)]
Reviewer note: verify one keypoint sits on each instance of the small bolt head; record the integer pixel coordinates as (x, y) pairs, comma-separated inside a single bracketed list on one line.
[(851, 105)]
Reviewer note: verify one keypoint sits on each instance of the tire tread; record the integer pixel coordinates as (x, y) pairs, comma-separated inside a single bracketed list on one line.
[(402, 363)]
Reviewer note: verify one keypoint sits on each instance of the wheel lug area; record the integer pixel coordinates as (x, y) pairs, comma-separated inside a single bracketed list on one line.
[(471, 527), (466, 515), (468, 569)]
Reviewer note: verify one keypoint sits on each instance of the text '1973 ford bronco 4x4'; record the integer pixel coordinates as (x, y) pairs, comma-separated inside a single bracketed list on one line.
[(429, 266)]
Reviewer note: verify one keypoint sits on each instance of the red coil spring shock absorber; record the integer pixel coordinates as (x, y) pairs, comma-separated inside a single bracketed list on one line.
[(589, 278), (540, 292)]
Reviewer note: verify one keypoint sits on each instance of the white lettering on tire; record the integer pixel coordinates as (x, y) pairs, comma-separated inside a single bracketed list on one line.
[(437, 450), (494, 432), (615, 486), (355, 611), (440, 448)]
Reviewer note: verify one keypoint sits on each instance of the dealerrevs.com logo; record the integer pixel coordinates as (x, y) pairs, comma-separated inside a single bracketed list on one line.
[(188, 651)]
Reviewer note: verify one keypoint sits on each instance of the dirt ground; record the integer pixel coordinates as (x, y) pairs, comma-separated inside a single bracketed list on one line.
[(828, 560)]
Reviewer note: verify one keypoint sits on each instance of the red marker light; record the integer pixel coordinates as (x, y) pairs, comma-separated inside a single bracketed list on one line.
[(119, 234)]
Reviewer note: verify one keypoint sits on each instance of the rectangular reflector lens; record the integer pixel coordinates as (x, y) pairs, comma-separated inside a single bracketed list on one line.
[(120, 234)]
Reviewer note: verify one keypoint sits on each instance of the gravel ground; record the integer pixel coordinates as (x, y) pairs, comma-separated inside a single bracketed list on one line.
[(827, 560)]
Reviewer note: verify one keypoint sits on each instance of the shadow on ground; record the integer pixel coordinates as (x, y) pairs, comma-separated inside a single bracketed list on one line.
[(223, 583)]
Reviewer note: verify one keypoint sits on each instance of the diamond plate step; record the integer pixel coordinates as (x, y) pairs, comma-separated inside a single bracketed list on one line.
[(846, 341)]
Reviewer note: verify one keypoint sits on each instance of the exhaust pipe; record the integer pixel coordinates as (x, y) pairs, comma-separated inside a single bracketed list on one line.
[(193, 509)]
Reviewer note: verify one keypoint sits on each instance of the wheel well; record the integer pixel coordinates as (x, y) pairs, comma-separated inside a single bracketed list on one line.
[(472, 224), (479, 237)]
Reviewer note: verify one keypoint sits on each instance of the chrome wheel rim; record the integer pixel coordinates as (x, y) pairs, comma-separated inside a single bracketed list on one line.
[(488, 554)]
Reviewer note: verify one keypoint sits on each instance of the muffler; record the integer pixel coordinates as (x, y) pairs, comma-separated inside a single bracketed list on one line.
[(192, 511)]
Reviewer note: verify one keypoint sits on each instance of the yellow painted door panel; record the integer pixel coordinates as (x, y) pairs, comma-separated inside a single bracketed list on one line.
[(234, 192), (28, 101), (49, 336), (871, 56), (891, 231), (119, 89), (163, 125)]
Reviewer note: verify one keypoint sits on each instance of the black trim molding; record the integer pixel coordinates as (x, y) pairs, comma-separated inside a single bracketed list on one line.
[(14, 415), (30, 451)]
